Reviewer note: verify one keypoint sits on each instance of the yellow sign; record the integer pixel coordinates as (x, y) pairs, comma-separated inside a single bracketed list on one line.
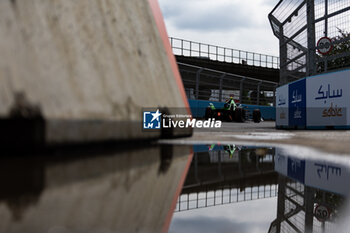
[(332, 111)]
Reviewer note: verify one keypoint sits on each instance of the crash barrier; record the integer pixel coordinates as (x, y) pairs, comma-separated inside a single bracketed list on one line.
[(207, 84), (198, 108), (84, 71), (316, 102)]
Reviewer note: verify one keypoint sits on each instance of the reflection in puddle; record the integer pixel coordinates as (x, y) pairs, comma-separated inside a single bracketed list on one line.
[(94, 190), (227, 174), (263, 136), (228, 188), (311, 193), (274, 190)]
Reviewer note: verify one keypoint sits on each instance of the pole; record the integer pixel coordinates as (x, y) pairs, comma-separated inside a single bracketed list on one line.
[(311, 53), (220, 87), (198, 76)]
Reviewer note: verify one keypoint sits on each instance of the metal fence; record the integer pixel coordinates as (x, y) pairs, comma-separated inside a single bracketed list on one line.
[(224, 178), (217, 53), (295, 209), (299, 25), (224, 196), (207, 84)]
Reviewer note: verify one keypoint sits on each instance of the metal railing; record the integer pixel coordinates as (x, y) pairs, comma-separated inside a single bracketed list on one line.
[(207, 84), (189, 48), (224, 180), (224, 196), (299, 25)]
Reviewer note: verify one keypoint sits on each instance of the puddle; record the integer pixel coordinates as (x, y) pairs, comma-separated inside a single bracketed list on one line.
[(99, 190), (263, 136), (263, 189), (176, 188)]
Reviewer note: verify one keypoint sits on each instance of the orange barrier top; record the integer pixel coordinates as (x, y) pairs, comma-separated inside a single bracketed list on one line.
[(164, 35)]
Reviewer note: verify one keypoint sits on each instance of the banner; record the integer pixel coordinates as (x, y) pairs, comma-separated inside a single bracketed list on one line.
[(316, 102), (328, 98), (282, 111), (328, 176), (321, 174), (297, 103)]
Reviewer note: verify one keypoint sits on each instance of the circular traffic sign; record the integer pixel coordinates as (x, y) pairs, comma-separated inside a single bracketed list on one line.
[(322, 213), (324, 45)]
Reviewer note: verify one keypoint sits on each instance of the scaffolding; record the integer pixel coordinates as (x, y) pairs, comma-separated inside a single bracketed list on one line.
[(299, 25)]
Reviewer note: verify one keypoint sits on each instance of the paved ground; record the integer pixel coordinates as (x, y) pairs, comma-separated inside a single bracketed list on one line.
[(333, 141)]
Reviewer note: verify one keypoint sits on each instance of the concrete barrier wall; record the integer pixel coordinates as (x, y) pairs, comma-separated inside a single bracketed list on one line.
[(317, 102), (87, 67), (198, 108)]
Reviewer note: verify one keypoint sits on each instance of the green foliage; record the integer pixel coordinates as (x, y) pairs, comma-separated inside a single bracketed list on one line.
[(339, 48)]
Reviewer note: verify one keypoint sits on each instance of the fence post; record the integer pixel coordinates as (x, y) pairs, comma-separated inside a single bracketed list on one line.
[(209, 51), (241, 91), (266, 60), (274, 96), (224, 54), (326, 30), (182, 47), (190, 48), (260, 59), (309, 194), (283, 58), (326, 18), (258, 94), (220, 87), (311, 53), (232, 55), (198, 75)]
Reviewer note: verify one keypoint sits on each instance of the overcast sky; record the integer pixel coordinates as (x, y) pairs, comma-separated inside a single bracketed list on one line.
[(245, 217), (230, 23)]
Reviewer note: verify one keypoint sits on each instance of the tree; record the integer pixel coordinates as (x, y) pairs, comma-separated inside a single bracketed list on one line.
[(339, 48)]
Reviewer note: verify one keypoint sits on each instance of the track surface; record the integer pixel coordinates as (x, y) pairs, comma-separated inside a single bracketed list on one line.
[(332, 141)]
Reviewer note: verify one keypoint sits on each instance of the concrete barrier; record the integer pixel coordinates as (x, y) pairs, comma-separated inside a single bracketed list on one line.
[(317, 102), (85, 68)]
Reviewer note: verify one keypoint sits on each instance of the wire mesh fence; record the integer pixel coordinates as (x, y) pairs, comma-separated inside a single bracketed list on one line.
[(294, 215), (217, 53), (300, 26), (224, 196), (207, 84)]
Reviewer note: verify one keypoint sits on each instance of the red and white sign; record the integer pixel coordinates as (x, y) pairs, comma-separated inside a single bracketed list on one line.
[(322, 213), (324, 45)]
